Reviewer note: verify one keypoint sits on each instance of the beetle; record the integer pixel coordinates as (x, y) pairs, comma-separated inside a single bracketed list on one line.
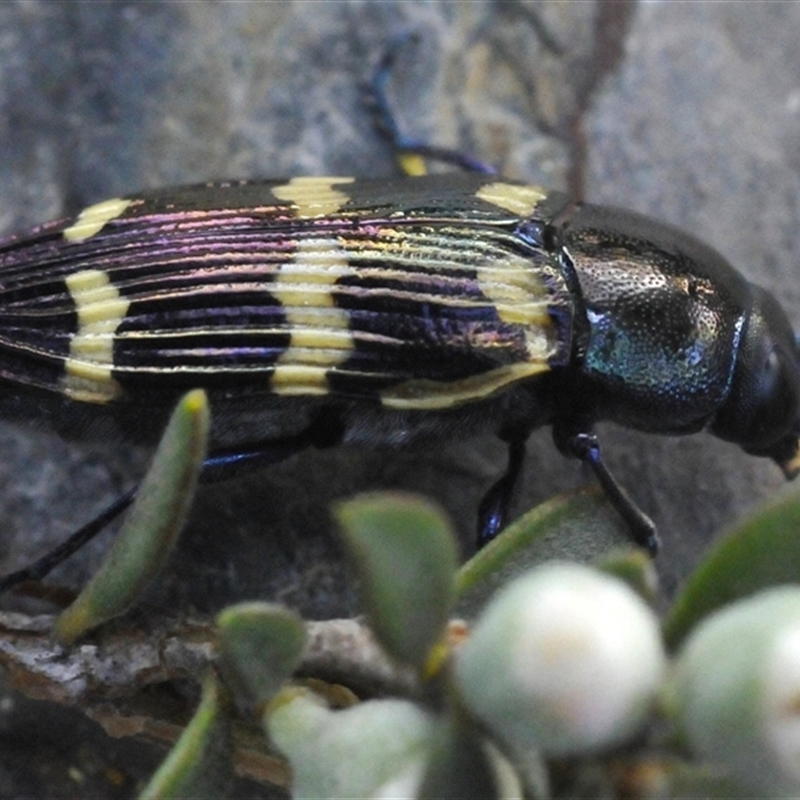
[(318, 311)]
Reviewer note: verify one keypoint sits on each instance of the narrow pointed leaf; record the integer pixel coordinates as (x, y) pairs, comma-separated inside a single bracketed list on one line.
[(462, 765), (152, 527), (200, 764)]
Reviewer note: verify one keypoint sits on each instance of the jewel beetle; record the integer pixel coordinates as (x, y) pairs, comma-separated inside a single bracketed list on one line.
[(318, 311)]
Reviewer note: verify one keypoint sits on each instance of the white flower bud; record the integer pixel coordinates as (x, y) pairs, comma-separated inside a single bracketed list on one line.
[(565, 659), (736, 690)]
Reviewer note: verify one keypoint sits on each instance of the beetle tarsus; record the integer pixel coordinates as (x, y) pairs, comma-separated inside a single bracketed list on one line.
[(586, 448)]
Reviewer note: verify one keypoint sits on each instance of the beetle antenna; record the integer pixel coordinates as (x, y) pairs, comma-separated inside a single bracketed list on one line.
[(386, 123)]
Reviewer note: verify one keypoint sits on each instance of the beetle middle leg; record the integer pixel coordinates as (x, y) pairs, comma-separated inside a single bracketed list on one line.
[(494, 508), (585, 446)]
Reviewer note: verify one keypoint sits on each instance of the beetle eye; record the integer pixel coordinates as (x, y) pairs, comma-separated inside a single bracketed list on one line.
[(776, 397), (762, 412), (770, 374)]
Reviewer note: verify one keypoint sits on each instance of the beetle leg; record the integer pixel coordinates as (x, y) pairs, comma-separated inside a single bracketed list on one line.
[(50, 560), (326, 430), (224, 464), (409, 152), (586, 447), (218, 466), (493, 509)]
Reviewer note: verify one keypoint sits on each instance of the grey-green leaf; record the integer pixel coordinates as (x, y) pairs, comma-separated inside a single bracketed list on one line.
[(260, 646), (405, 554)]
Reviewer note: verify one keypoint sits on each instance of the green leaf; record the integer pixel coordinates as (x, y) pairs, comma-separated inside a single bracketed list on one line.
[(200, 763), (634, 567), (260, 646), (405, 554), (763, 551), (151, 529), (578, 526), (700, 780), (463, 765)]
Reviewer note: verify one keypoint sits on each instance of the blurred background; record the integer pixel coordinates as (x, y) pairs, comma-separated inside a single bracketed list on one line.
[(689, 112)]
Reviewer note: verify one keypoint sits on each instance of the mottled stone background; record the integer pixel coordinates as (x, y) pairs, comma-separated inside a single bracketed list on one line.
[(686, 111)]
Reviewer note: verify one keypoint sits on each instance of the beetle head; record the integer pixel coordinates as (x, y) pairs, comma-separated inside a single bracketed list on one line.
[(762, 411)]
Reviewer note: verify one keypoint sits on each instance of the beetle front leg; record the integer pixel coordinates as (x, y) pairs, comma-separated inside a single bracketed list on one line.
[(586, 447)]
